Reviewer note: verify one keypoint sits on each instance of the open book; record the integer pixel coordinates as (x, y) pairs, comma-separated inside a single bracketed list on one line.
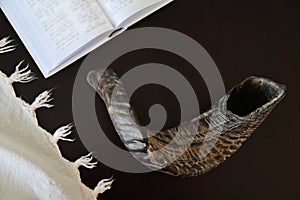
[(58, 32)]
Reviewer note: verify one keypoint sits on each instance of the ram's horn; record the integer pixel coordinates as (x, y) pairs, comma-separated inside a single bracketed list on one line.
[(211, 137)]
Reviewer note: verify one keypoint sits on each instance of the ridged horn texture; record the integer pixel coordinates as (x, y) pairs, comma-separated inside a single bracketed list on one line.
[(206, 141)]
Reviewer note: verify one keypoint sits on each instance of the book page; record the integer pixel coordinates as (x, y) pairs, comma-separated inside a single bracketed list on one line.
[(65, 26), (120, 10)]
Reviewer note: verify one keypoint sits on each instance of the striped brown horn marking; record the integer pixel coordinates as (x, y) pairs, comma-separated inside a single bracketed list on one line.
[(206, 141)]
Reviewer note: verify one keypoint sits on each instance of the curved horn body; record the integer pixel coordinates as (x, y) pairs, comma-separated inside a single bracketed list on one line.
[(197, 146)]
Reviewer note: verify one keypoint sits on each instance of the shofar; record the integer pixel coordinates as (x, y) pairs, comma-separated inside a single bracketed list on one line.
[(206, 141)]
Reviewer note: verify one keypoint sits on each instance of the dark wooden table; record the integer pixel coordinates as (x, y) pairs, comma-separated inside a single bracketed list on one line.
[(244, 38)]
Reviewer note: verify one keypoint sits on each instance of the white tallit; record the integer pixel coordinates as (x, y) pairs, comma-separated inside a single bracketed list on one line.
[(31, 166)]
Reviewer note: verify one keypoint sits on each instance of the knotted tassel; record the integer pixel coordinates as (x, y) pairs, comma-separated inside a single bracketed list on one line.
[(85, 161), (41, 101), (102, 186), (3, 48), (21, 76), (62, 133)]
